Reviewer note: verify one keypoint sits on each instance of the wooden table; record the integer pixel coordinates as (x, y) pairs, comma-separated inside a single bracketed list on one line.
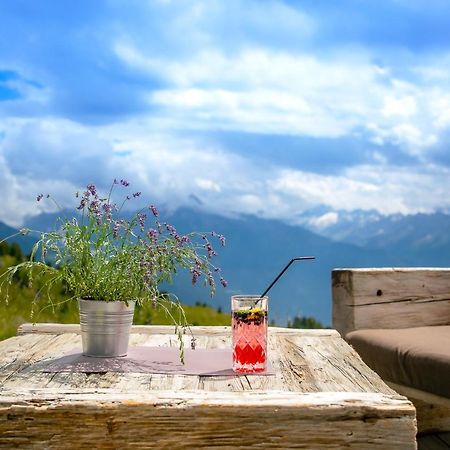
[(322, 396)]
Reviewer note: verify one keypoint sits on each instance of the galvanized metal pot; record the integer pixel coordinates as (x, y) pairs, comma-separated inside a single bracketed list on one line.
[(105, 327)]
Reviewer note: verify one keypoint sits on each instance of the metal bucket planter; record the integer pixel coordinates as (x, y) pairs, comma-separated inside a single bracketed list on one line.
[(105, 327)]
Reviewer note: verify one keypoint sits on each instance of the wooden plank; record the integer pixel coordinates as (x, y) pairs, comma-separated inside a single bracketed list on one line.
[(143, 419), (335, 366), (59, 328), (390, 298)]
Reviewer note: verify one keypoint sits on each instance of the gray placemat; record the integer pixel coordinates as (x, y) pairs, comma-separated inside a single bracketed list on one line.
[(206, 362)]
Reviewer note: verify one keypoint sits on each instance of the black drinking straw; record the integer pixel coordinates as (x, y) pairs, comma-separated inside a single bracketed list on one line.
[(298, 258)]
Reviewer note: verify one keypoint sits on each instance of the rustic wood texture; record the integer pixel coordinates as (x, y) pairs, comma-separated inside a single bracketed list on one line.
[(322, 397), (390, 298)]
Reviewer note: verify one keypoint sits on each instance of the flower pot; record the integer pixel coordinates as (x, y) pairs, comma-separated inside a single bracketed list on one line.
[(105, 327)]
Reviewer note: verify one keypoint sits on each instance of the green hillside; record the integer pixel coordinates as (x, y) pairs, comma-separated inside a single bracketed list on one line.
[(16, 309)]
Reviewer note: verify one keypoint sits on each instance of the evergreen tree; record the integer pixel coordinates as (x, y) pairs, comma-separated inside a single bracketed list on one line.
[(304, 322)]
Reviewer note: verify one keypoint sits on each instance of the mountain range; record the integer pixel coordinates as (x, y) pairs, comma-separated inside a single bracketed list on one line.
[(422, 238), (257, 250)]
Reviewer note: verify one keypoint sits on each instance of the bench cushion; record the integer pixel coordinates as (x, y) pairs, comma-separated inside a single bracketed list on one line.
[(416, 357)]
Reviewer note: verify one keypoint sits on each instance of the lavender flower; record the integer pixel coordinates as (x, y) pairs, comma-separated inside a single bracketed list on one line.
[(82, 203), (182, 240), (116, 229), (39, 197), (92, 189), (108, 208), (171, 229), (195, 274), (124, 183), (210, 250), (141, 219), (154, 210), (152, 234)]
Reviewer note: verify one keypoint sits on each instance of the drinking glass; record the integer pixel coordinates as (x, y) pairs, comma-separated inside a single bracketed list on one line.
[(249, 333)]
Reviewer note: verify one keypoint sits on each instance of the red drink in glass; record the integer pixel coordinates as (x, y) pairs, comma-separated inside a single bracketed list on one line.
[(249, 333)]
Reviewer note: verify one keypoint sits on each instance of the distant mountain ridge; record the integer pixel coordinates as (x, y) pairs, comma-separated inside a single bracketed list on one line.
[(426, 236), (257, 249)]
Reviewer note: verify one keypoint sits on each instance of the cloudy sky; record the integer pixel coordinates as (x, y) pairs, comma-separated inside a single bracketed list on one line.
[(240, 106)]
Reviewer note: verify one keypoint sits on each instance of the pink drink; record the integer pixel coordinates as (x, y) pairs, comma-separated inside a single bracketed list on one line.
[(249, 333)]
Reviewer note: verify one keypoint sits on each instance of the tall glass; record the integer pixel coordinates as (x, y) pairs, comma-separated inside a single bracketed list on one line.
[(249, 333)]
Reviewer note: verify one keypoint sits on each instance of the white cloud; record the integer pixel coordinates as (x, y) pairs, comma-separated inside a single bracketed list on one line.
[(207, 185), (169, 170), (404, 107), (261, 90), (388, 190), (325, 220)]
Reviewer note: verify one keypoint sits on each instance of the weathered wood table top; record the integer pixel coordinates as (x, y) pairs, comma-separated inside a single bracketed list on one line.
[(321, 396)]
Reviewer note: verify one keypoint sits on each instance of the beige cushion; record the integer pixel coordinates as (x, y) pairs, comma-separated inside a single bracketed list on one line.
[(416, 357)]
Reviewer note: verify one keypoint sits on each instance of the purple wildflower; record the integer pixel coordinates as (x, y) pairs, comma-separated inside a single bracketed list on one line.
[(116, 229), (94, 207), (39, 197), (210, 250), (182, 239), (124, 183), (171, 229), (152, 234), (92, 189), (141, 218), (154, 210), (82, 203), (222, 240), (107, 207), (223, 282), (195, 274), (136, 194)]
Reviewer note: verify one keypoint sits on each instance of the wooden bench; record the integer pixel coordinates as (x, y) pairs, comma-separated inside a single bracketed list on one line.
[(379, 310)]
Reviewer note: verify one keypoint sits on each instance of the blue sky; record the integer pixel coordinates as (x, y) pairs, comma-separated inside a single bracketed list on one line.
[(271, 108)]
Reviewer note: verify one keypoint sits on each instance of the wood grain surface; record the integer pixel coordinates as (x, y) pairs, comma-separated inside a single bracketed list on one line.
[(390, 298), (322, 396)]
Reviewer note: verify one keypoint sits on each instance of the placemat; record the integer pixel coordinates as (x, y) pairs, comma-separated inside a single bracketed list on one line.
[(206, 362)]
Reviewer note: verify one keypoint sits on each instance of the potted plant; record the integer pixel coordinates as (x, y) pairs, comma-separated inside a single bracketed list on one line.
[(108, 263)]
